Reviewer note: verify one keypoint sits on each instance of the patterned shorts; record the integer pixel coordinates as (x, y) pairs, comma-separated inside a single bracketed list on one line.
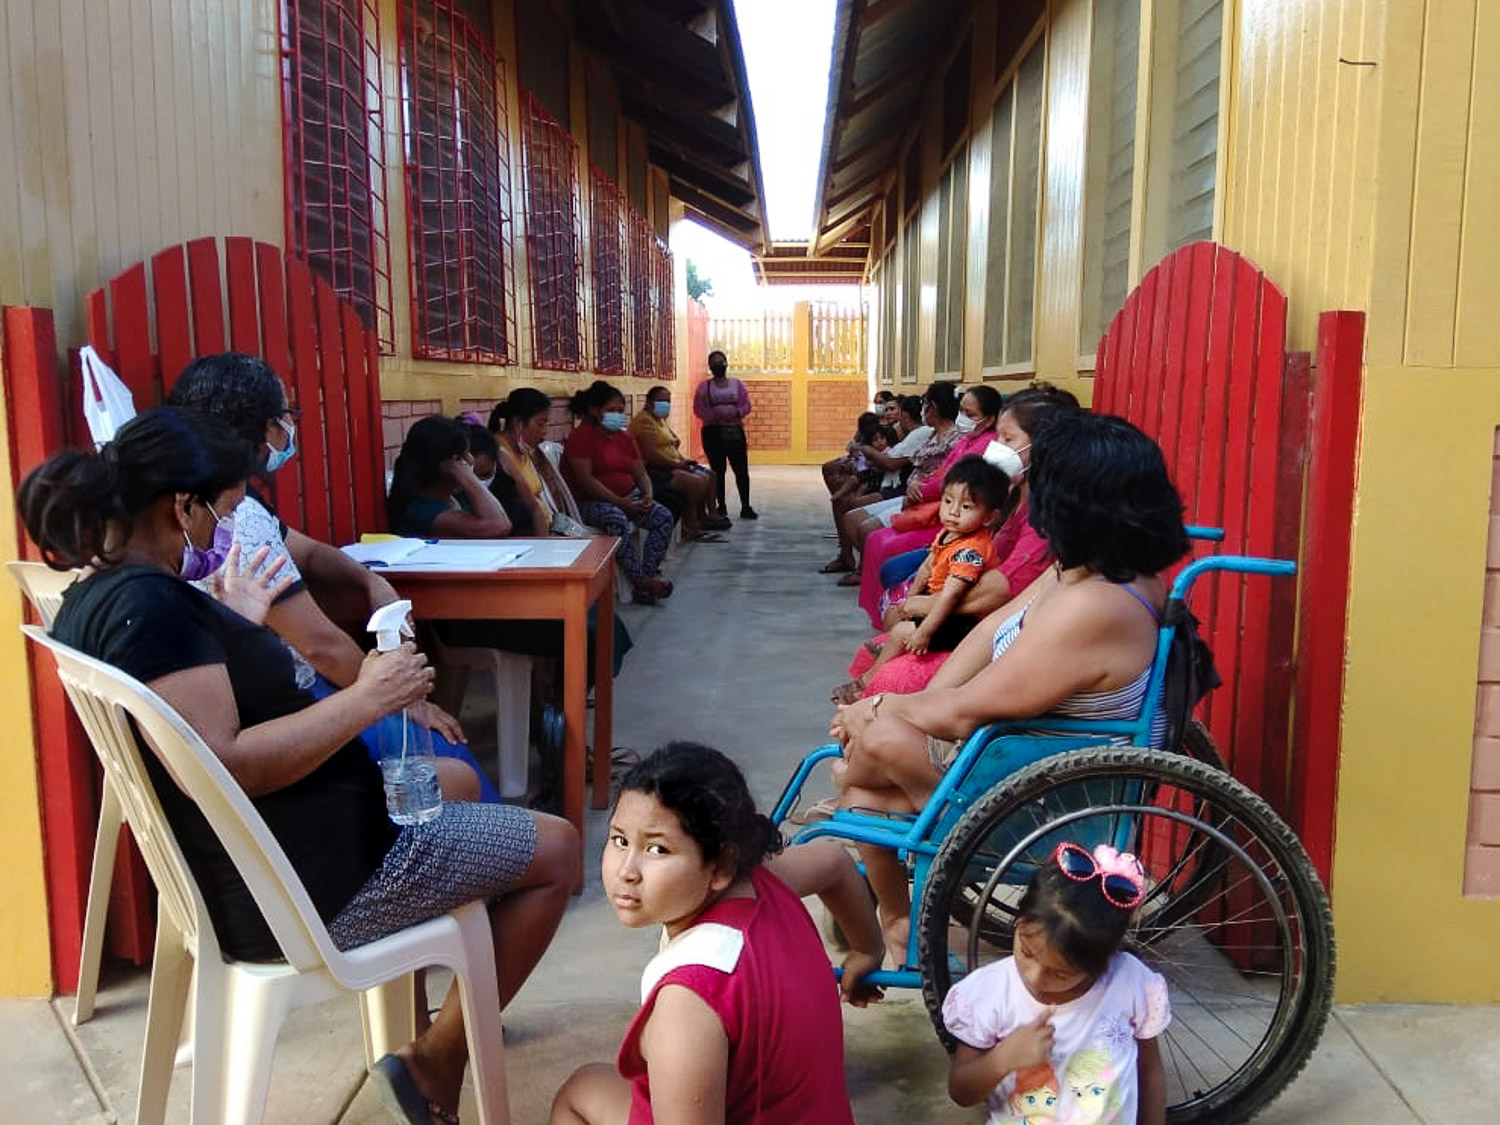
[(469, 853)]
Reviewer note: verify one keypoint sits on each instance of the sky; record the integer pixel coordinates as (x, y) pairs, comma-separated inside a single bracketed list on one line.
[(788, 46)]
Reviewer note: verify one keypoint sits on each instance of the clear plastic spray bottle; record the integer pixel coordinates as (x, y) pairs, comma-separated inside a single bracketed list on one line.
[(412, 794)]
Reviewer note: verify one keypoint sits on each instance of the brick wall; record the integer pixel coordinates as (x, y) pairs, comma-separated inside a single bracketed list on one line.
[(1482, 862), (398, 415), (831, 412), (770, 423)]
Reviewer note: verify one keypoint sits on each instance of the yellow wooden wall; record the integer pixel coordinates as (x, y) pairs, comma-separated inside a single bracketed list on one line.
[(128, 125), (1432, 405)]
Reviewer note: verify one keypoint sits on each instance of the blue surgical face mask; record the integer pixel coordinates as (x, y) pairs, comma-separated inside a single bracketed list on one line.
[(661, 409), (614, 420), (200, 562), (279, 457)]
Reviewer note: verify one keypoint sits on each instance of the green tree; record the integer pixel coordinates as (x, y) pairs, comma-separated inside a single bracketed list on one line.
[(697, 287)]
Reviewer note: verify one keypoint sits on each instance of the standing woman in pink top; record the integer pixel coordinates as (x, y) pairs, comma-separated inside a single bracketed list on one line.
[(722, 404)]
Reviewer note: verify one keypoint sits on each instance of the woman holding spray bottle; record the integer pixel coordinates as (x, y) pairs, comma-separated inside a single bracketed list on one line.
[(130, 512)]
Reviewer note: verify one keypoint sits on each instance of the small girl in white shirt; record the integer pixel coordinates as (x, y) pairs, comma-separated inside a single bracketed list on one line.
[(1065, 1030)]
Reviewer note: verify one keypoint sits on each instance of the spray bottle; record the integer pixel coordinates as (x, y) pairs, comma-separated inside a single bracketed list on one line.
[(412, 795)]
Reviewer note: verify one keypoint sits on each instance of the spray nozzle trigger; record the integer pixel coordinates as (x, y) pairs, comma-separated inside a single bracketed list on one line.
[(390, 623)]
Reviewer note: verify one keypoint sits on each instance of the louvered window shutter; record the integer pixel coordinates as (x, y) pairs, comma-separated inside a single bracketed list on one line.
[(1195, 122)]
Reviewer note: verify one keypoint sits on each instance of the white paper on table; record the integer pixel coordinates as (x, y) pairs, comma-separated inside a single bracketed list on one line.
[(437, 554)]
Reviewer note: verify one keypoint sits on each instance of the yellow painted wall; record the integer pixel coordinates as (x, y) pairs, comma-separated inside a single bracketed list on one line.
[(108, 163), (25, 953), (1432, 403)]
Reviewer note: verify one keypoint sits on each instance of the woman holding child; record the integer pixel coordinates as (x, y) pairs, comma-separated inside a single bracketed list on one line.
[(1080, 645)]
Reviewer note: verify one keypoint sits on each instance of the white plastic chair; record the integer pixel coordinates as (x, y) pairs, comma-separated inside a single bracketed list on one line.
[(44, 588), (511, 672), (239, 1006)]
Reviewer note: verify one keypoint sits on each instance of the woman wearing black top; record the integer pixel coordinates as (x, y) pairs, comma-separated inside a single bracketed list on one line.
[(130, 512)]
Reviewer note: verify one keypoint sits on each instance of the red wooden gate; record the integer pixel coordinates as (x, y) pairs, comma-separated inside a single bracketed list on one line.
[(1197, 359), (277, 309)]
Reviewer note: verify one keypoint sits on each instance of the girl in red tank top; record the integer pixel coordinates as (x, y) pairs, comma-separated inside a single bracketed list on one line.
[(739, 1011)]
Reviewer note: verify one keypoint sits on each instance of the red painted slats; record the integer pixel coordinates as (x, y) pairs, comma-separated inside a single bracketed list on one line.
[(335, 438), (96, 324), (174, 337), (208, 297), (1324, 596), (1186, 413), (311, 504), (375, 453), (362, 485), (275, 344), (239, 276), (1166, 337), (1137, 345), (134, 363), (1104, 357)]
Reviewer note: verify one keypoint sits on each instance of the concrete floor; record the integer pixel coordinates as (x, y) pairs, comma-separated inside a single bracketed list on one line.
[(742, 658)]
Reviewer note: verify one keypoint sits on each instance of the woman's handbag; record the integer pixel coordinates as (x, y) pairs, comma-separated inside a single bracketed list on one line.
[(919, 517)]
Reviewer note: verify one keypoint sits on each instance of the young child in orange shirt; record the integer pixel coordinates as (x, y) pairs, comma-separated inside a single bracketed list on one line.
[(976, 499)]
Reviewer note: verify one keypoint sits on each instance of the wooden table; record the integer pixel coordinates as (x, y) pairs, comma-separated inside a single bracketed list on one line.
[(525, 590)]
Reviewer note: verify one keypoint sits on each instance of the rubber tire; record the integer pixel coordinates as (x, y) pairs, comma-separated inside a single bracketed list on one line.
[(1299, 1029)]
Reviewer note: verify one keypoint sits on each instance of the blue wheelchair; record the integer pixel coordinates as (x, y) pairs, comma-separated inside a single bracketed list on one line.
[(1234, 917)]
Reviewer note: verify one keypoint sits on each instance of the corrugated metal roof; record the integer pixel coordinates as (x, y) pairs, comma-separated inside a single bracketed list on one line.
[(681, 75), (884, 57)]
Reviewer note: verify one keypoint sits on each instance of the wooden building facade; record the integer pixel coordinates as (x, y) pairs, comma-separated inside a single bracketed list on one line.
[(1021, 166)]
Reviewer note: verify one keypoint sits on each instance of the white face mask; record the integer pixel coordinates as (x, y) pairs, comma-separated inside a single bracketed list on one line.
[(487, 481), (1006, 459), (964, 424)]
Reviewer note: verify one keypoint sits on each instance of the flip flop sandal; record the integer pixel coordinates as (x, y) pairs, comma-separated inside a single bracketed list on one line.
[(873, 647), (705, 537), (851, 579), (837, 566), (398, 1092), (822, 810)]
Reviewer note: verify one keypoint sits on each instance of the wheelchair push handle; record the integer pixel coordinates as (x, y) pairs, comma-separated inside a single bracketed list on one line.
[(1238, 564)]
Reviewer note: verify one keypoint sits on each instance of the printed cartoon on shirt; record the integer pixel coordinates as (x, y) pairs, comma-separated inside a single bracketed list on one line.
[(1087, 1095)]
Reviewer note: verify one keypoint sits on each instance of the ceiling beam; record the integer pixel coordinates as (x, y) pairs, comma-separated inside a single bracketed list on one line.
[(736, 192)]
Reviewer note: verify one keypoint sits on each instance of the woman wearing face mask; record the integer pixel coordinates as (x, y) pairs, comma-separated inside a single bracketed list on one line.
[(614, 493), (1021, 551), (484, 453), (916, 525), (243, 393), (671, 472), (435, 492), (722, 404)]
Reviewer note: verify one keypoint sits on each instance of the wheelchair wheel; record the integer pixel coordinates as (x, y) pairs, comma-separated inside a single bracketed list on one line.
[(1235, 917), (1197, 744)]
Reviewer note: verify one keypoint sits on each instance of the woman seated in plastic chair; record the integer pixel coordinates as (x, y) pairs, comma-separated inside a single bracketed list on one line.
[(1080, 645), (127, 512), (435, 493), (245, 395)]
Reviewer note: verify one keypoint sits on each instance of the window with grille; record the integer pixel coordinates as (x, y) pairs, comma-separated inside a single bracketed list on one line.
[(335, 151), (457, 182), (911, 296), (552, 238), (607, 259), (953, 237), (1109, 176), (665, 313), (642, 291), (1015, 187)]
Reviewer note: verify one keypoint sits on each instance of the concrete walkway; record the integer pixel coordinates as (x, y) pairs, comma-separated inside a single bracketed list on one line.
[(742, 658)]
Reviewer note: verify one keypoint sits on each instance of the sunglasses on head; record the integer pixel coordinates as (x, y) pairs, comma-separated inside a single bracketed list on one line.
[(1120, 874)]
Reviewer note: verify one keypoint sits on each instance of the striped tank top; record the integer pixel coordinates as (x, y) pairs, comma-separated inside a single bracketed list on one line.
[(1123, 702)]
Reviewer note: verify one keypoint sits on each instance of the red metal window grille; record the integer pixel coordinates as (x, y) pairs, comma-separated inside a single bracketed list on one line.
[(666, 314), (333, 137), (552, 238), (642, 286), (457, 182), (607, 254)]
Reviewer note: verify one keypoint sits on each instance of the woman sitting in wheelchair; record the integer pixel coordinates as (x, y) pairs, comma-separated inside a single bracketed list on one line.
[(131, 512), (1080, 645)]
